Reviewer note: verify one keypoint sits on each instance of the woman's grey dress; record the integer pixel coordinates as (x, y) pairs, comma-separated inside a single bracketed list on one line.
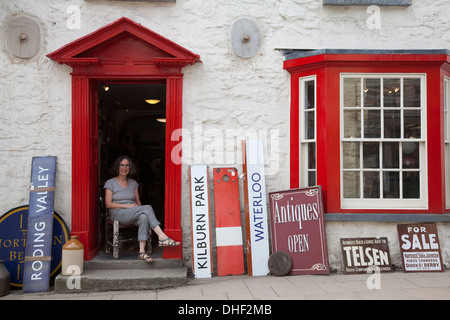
[(142, 216)]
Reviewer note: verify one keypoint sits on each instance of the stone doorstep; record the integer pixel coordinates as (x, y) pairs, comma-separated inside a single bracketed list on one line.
[(93, 280), (127, 273), (134, 263)]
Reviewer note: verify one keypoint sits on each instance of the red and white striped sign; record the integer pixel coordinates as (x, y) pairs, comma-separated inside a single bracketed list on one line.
[(230, 250)]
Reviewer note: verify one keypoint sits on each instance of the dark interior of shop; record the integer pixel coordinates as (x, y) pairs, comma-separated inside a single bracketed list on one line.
[(131, 121)]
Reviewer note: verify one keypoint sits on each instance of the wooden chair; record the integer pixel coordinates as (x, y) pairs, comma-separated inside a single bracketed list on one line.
[(112, 232), (113, 228)]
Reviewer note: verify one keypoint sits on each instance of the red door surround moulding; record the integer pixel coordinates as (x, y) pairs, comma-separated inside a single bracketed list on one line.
[(125, 52)]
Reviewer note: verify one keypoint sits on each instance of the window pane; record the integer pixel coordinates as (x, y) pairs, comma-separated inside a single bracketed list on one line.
[(351, 155), (309, 125), (371, 93), (412, 124), (392, 123), (352, 92), (371, 184), (390, 155), (410, 155), (372, 127), (371, 155), (391, 187), (311, 155), (391, 93), (311, 178), (411, 89), (309, 95), (411, 185), (351, 184), (352, 124)]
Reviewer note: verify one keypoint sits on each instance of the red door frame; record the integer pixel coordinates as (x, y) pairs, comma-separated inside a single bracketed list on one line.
[(115, 53), (327, 68)]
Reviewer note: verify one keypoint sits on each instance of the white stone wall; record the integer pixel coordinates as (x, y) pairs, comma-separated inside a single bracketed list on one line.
[(223, 92)]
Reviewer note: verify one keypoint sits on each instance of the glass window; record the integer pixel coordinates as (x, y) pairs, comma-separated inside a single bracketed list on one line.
[(308, 131), (383, 150)]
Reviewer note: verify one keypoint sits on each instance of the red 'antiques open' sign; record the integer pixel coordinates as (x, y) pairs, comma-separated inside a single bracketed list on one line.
[(298, 228)]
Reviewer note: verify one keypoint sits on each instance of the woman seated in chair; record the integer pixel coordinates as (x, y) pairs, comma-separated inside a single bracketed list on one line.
[(122, 200)]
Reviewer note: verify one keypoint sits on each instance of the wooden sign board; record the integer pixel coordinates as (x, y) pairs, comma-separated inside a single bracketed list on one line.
[(362, 253), (419, 247), (256, 215), (40, 225), (298, 228), (200, 222)]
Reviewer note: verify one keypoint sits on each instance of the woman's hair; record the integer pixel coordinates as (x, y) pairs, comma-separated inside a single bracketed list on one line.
[(116, 166)]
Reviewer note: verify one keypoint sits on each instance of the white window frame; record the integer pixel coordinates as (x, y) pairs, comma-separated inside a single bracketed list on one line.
[(447, 139), (304, 141), (386, 203)]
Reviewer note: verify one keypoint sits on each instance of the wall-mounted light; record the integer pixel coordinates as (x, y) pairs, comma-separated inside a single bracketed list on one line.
[(106, 88), (152, 101), (162, 120)]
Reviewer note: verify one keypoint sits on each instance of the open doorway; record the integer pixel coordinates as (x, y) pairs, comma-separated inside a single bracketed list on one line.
[(131, 121)]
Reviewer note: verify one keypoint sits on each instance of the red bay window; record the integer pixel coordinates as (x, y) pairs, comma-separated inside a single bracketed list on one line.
[(371, 127)]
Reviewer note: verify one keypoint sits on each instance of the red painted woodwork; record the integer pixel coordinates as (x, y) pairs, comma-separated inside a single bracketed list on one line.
[(120, 52), (327, 68)]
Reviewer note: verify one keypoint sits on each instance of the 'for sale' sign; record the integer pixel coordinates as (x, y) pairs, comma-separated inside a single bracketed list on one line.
[(419, 246)]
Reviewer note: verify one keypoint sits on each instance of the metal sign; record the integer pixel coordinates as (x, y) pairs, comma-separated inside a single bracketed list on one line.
[(245, 37), (367, 2), (13, 232), (298, 228), (40, 225), (362, 253), (256, 215), (200, 222), (227, 211), (419, 246)]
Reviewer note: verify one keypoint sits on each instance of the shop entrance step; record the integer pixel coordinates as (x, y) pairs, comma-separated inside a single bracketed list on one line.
[(104, 273)]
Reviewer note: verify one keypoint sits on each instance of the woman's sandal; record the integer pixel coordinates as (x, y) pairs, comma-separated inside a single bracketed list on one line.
[(167, 242), (144, 256)]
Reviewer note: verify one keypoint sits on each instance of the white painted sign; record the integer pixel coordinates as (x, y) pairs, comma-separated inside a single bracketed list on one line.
[(200, 226), (256, 214)]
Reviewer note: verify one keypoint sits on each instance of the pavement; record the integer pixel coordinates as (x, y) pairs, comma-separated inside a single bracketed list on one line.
[(336, 286)]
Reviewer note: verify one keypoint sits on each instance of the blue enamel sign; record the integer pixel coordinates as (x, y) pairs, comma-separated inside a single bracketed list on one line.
[(13, 236), (38, 249)]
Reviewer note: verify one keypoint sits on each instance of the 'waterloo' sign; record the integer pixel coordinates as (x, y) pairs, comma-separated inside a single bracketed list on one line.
[(298, 228), (257, 227), (40, 225)]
